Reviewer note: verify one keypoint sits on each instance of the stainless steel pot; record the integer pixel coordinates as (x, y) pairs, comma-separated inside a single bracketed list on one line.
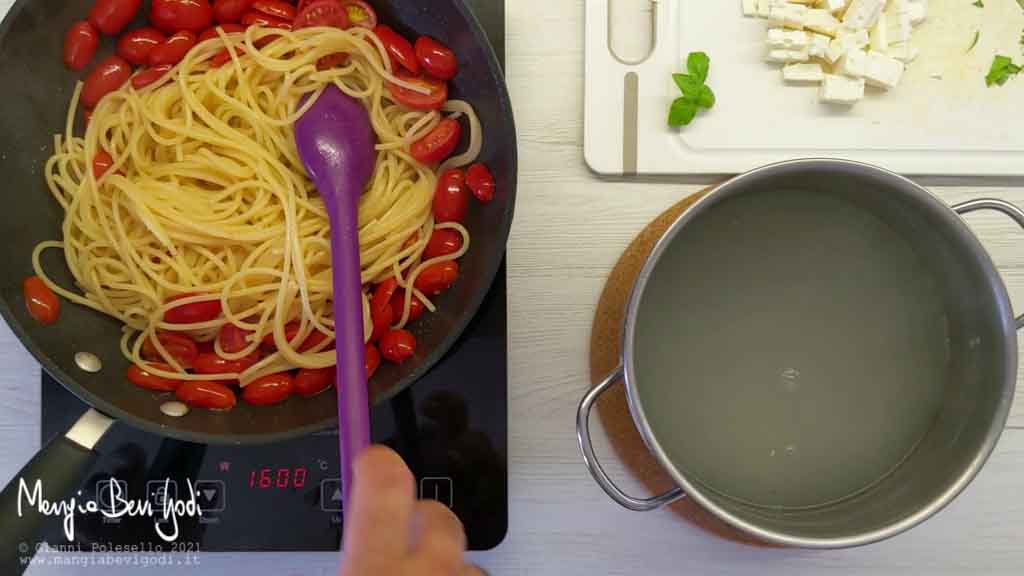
[(971, 377)]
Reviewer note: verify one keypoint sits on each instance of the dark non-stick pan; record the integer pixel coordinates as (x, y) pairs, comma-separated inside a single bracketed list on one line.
[(37, 91)]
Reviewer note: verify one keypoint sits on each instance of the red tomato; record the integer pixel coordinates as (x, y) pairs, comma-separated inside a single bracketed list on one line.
[(322, 13), (275, 8), (382, 319), (436, 58), (252, 18), (291, 331), (268, 390), (331, 61), (194, 313), (442, 242), (176, 15), (360, 14), (383, 293), (480, 182), (111, 16), (310, 382), (80, 44), (221, 58), (233, 339), (229, 28), (398, 48), (87, 116), (230, 11), (210, 395), (148, 76), (450, 197), (436, 96), (182, 348), (101, 162), (397, 346), (145, 379), (135, 46), (41, 302), (438, 144), (398, 306), (372, 360), (109, 75), (437, 278), (207, 363), (173, 50)]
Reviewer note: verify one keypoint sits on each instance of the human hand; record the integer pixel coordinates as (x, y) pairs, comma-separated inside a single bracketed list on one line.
[(389, 533)]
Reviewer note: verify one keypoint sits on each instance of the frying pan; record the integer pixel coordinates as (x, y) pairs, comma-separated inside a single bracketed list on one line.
[(37, 91)]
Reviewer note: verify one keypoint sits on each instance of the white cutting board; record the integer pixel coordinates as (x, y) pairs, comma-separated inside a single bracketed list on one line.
[(942, 119)]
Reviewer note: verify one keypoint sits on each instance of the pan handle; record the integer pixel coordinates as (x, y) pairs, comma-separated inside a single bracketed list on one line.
[(59, 467), (999, 206), (600, 476)]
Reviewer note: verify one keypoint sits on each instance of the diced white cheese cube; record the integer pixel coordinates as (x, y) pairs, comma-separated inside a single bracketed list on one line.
[(833, 6), (862, 14), (880, 34), (808, 73), (783, 56), (818, 46), (899, 28), (883, 71), (845, 42), (788, 15), (897, 6), (788, 39), (822, 21), (750, 8), (841, 90), (904, 52), (918, 12), (853, 64)]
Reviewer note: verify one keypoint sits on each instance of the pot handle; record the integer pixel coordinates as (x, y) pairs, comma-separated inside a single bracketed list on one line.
[(999, 206), (590, 459)]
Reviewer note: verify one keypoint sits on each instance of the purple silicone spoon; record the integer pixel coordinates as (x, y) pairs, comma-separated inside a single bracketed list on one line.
[(336, 143)]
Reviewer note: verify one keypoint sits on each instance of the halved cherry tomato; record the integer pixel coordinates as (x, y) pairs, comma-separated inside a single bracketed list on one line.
[(438, 144), (268, 390), (210, 395), (398, 48), (275, 8), (223, 57), (398, 346), (80, 44), (233, 339), (109, 75), (173, 50), (101, 162), (253, 18), (372, 360), (312, 381), (145, 379), (183, 349), (230, 11), (360, 14), (331, 61), (207, 363), (111, 16), (176, 15), (443, 241), (436, 96), (383, 293), (382, 319), (398, 306), (150, 75), (480, 182), (135, 46), (451, 200), (322, 13), (435, 279), (41, 302), (228, 28), (436, 58), (202, 311), (291, 331)]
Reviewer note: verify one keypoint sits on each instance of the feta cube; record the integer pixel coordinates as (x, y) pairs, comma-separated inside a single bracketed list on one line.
[(784, 56), (918, 12), (853, 64), (904, 52), (822, 21), (880, 34), (818, 45), (841, 90), (899, 28), (833, 6), (809, 73), (845, 42), (883, 71), (788, 15), (862, 14), (788, 39), (750, 8)]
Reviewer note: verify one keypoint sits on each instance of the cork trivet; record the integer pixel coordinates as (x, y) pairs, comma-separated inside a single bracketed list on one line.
[(605, 350)]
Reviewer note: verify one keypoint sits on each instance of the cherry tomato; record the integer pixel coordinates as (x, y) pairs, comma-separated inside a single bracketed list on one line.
[(398, 48), (233, 339), (230, 11), (372, 360), (275, 8), (80, 44), (210, 395), (229, 28), (435, 279), (451, 200), (111, 16), (101, 162), (182, 348), (332, 61), (360, 14), (322, 13), (109, 75), (398, 306), (310, 382), (397, 346), (173, 50), (41, 302), (223, 57), (194, 313), (480, 182), (252, 18), (383, 293), (150, 75), (145, 379), (438, 144), (442, 242), (176, 15), (436, 96), (207, 363), (135, 46), (268, 390), (436, 58), (291, 331), (382, 319)]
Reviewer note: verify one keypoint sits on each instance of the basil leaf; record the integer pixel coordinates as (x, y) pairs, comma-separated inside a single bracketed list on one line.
[(687, 84), (682, 112), (706, 98), (698, 64), (1002, 69)]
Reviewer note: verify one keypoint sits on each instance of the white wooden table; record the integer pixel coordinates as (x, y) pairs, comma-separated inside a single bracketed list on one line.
[(570, 230)]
